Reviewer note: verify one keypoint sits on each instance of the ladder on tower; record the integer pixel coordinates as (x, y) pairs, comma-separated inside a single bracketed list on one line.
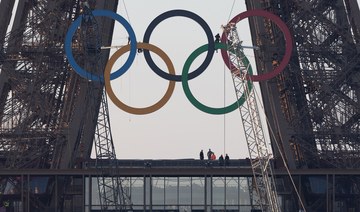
[(112, 194), (263, 181)]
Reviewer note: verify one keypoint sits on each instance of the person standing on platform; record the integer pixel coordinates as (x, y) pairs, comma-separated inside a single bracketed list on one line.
[(221, 160), (209, 153), (227, 160), (201, 155), (213, 156)]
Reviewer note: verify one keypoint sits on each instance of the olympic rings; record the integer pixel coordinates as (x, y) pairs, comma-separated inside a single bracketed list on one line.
[(85, 74), (283, 28), (210, 47), (191, 97), (194, 17), (117, 102)]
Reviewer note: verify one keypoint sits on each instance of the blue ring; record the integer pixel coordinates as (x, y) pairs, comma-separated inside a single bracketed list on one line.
[(85, 74), (201, 22)]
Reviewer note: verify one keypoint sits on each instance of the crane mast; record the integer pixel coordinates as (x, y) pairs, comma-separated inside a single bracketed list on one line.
[(112, 195), (263, 182)]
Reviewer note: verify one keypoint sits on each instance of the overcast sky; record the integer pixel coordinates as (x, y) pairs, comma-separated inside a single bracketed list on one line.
[(178, 130)]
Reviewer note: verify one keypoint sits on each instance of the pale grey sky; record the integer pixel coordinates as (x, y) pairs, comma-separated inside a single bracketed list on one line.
[(178, 130)]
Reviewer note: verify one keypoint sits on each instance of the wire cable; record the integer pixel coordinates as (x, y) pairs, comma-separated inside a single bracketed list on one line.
[(231, 10), (128, 19), (224, 117), (127, 14), (224, 69)]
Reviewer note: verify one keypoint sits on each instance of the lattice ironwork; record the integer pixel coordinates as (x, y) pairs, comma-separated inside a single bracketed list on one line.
[(313, 105), (44, 124), (320, 90)]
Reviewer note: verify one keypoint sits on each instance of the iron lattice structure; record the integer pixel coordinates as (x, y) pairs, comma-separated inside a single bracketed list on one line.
[(43, 121), (313, 105), (319, 91)]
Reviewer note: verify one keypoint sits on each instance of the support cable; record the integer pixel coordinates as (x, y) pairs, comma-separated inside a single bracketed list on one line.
[(231, 10), (224, 117), (127, 14), (128, 19)]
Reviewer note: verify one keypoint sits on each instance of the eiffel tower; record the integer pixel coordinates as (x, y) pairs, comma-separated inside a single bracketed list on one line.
[(43, 121)]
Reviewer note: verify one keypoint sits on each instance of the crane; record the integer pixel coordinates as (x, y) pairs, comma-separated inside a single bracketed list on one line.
[(112, 194), (263, 182)]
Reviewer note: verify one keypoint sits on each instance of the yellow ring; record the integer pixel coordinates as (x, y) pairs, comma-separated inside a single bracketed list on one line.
[(117, 102)]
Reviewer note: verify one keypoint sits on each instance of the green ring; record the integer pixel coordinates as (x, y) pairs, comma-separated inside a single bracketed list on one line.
[(190, 96)]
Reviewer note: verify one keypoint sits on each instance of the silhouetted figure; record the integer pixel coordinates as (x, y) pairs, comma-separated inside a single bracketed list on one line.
[(275, 61), (217, 40), (209, 153), (147, 164), (201, 155), (221, 160), (227, 160)]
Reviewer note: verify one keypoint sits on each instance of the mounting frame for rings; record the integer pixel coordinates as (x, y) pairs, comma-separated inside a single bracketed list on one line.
[(84, 73), (288, 42), (210, 47)]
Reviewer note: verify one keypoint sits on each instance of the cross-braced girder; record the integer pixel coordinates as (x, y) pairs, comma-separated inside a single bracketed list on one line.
[(313, 105), (263, 182), (43, 123)]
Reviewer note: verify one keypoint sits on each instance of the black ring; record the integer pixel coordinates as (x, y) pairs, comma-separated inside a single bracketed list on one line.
[(187, 14)]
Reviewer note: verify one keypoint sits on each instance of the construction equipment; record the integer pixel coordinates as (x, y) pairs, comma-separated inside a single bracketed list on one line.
[(263, 182), (112, 195)]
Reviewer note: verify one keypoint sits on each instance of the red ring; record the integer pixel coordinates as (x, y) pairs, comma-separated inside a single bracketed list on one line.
[(283, 28)]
